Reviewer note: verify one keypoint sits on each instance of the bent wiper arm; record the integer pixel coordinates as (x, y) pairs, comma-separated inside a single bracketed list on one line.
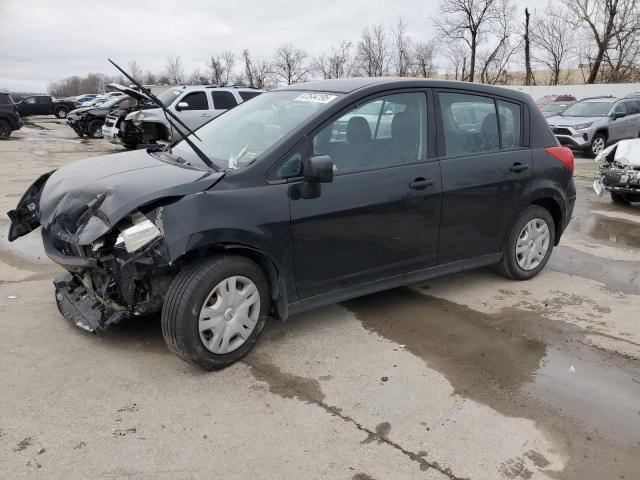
[(166, 111)]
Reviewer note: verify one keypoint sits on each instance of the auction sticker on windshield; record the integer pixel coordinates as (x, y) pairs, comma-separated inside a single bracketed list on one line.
[(315, 97)]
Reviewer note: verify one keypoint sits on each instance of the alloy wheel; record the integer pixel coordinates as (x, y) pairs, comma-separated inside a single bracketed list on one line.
[(533, 244), (597, 145), (229, 315)]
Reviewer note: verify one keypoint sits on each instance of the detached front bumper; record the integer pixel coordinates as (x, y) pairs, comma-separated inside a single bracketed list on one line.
[(77, 305), (621, 180)]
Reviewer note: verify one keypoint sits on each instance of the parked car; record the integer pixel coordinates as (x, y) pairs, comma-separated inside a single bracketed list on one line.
[(89, 120), (591, 124), (193, 105), (541, 102), (115, 129), (9, 116), (555, 108), (271, 213), (619, 167), (45, 105)]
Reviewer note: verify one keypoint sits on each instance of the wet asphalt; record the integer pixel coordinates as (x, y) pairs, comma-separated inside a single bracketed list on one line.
[(467, 376)]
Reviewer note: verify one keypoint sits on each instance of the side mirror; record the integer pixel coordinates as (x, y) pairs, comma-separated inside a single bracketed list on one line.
[(617, 115), (318, 169), (182, 106)]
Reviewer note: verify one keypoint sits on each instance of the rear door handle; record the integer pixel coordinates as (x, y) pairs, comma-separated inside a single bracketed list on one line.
[(421, 183), (518, 167), (205, 115)]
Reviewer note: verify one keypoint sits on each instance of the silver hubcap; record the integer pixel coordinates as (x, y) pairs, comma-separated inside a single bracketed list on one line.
[(533, 243), (598, 145), (229, 315)]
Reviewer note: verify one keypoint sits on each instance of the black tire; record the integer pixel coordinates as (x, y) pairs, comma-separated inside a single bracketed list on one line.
[(509, 266), (61, 112), (5, 129), (79, 132), (95, 128), (185, 297), (595, 140), (620, 198), (130, 146)]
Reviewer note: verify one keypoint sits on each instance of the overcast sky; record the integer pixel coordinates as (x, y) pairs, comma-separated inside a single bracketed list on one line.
[(45, 40)]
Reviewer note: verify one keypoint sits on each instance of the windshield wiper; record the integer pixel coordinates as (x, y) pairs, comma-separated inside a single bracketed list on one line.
[(166, 111)]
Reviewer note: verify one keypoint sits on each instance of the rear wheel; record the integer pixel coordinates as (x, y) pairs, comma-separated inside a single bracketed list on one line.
[(529, 244), (5, 129), (215, 310), (61, 112), (95, 128)]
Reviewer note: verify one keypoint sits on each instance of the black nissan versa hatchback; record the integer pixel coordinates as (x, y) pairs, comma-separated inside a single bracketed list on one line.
[(312, 194)]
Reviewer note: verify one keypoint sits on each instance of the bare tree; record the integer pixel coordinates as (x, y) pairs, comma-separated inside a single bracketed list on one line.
[(135, 71), (290, 64), (423, 65), (196, 77), (150, 78), (258, 74), (554, 43), (622, 58), (220, 67), (373, 52), (456, 54), (466, 21), (494, 62), (529, 79), (402, 49), (337, 63), (604, 20), (174, 70)]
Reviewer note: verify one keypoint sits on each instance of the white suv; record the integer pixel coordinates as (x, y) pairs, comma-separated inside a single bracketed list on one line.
[(193, 105)]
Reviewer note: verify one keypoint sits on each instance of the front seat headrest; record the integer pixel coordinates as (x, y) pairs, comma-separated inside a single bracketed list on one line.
[(404, 127), (358, 130)]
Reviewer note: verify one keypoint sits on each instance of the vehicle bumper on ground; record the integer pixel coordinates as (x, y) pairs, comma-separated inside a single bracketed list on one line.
[(110, 134), (621, 180)]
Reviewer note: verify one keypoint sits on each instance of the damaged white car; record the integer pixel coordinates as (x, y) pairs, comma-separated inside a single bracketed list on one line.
[(619, 167)]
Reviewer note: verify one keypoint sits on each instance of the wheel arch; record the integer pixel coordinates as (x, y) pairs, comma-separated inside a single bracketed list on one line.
[(277, 288), (602, 130), (553, 207)]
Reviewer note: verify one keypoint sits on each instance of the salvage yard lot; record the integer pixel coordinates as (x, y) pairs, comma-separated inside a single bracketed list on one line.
[(468, 376)]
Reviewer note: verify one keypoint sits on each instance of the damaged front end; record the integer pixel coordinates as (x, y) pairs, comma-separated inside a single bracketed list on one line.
[(102, 220), (619, 168)]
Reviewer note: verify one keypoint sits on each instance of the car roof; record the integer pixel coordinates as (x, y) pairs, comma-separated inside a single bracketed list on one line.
[(601, 100), (187, 88), (352, 84)]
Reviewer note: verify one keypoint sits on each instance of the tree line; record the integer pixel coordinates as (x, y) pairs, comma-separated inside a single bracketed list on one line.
[(488, 41)]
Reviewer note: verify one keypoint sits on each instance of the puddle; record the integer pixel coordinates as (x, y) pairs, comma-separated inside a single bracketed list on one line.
[(500, 359), (622, 232)]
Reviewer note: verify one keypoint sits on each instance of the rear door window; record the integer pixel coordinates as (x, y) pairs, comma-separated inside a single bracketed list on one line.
[(223, 100), (509, 116), (196, 101), (470, 124)]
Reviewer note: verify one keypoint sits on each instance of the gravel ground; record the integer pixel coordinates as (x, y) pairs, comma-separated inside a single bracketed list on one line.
[(468, 376)]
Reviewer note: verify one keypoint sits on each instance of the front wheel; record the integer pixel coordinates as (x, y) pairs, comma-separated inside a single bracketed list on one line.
[(95, 128), (61, 113), (598, 143), (529, 244), (5, 129), (215, 310)]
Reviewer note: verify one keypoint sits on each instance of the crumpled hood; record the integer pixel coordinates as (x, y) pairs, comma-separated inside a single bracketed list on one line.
[(562, 121), (83, 200)]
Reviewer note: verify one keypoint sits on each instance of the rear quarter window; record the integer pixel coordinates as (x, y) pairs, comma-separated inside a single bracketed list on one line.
[(248, 95), (223, 100)]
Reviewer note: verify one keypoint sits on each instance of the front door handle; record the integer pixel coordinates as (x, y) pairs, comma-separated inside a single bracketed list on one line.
[(518, 167), (205, 115), (421, 183)]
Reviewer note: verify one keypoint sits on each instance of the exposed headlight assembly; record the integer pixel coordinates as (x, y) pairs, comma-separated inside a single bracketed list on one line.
[(582, 126), (141, 233), (135, 117)]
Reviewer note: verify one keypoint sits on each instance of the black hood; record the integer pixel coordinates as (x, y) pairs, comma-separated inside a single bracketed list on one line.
[(83, 200)]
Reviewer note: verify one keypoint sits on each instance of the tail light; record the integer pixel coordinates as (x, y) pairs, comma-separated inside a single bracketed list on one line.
[(564, 154)]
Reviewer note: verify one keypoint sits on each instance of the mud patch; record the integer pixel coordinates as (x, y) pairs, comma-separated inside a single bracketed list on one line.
[(381, 434), (615, 230), (23, 444)]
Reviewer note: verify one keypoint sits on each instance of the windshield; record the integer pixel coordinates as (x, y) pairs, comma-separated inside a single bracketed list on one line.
[(238, 137), (588, 109), (169, 95), (554, 107), (111, 102)]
